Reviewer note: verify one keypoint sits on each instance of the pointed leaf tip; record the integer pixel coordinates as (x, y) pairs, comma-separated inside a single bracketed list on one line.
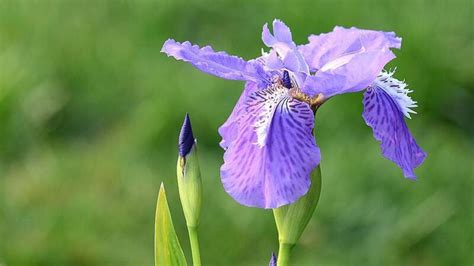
[(186, 137), (167, 248)]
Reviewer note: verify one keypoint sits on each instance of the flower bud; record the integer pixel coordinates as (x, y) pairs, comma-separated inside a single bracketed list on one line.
[(189, 175), (273, 260), (292, 219)]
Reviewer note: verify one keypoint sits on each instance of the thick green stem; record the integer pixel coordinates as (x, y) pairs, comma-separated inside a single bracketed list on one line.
[(193, 238), (284, 254)]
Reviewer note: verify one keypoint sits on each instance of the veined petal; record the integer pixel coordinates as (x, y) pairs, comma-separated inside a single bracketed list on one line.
[(268, 164), (218, 64), (397, 90), (229, 129), (383, 114)]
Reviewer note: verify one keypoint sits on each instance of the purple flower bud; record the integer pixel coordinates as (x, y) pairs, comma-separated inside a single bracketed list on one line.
[(273, 260), (186, 137)]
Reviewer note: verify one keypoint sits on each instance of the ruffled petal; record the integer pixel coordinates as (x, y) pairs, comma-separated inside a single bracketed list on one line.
[(341, 44), (383, 114), (218, 64), (357, 55), (269, 162)]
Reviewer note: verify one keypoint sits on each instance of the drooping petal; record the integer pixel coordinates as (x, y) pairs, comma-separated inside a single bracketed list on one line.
[(355, 54), (397, 90), (269, 162), (229, 129), (218, 64), (383, 114)]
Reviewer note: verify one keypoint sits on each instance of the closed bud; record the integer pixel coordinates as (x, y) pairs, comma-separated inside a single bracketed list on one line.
[(273, 260), (292, 219), (189, 175)]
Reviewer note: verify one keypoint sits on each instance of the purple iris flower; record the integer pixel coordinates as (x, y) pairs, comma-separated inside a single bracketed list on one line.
[(269, 147)]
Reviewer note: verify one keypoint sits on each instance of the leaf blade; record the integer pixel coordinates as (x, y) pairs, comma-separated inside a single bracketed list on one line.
[(168, 251)]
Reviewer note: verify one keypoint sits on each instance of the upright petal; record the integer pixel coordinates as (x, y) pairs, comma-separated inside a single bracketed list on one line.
[(218, 64), (268, 164), (357, 55), (281, 34), (383, 113), (281, 41)]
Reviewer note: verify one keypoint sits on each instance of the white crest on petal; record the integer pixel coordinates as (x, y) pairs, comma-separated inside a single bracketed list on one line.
[(397, 90), (270, 98)]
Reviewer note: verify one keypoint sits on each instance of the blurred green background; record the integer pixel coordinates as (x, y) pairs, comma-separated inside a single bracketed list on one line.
[(90, 112)]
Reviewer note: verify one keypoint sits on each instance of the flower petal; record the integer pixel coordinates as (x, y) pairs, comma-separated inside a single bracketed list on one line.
[(341, 44), (229, 129), (357, 55), (384, 116), (353, 76), (218, 64), (269, 162), (281, 34), (281, 42)]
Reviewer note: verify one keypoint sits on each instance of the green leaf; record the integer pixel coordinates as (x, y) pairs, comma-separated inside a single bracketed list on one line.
[(167, 248)]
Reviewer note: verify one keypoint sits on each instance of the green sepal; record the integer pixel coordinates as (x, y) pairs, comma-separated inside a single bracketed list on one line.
[(167, 248), (190, 186), (292, 219)]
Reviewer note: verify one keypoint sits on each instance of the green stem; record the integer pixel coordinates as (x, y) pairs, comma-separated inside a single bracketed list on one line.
[(193, 238), (284, 254)]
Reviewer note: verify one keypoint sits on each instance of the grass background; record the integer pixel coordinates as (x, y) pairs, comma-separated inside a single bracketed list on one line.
[(90, 112)]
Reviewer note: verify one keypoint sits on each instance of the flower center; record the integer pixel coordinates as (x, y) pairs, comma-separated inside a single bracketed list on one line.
[(313, 101), (296, 93)]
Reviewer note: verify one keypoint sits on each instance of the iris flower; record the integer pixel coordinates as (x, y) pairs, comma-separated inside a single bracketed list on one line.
[(269, 147)]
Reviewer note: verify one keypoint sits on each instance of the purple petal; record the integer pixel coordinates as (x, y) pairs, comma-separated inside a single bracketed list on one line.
[(282, 32), (281, 42), (229, 129), (357, 55), (269, 162), (353, 76), (342, 43), (383, 115), (218, 64), (273, 62)]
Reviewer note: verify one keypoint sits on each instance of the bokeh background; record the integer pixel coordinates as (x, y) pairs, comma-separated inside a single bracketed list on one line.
[(90, 112)]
